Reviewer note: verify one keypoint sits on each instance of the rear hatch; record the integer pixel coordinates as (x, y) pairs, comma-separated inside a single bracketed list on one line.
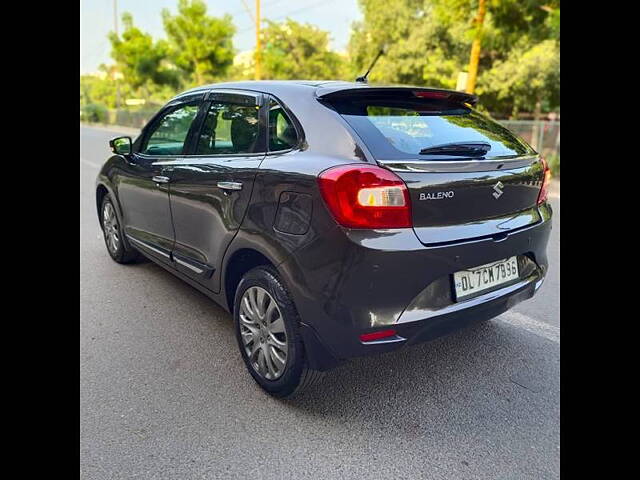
[(468, 176)]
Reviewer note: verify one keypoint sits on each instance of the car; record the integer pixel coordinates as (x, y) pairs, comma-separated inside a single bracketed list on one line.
[(332, 219)]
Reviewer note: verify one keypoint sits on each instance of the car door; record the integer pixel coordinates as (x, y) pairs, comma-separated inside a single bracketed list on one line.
[(211, 187), (142, 185)]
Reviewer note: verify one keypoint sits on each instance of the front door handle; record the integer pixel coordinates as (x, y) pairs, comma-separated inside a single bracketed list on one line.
[(160, 179), (230, 185)]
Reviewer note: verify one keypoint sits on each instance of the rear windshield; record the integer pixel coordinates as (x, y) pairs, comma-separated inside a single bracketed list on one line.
[(400, 129)]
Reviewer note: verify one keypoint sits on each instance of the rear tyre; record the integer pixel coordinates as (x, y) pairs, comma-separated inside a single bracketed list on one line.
[(268, 333), (112, 233)]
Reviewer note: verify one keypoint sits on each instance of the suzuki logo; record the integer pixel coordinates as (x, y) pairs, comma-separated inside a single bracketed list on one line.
[(498, 190)]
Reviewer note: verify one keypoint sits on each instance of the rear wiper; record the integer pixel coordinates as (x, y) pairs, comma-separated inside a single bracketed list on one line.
[(458, 149)]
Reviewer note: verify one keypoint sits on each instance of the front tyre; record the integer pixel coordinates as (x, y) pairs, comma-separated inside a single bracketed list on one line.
[(112, 231), (267, 329)]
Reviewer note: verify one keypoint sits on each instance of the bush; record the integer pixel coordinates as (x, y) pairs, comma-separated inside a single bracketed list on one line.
[(554, 164), (94, 113)]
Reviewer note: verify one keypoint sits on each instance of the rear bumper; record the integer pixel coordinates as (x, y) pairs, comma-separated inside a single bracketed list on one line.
[(361, 281), (435, 324)]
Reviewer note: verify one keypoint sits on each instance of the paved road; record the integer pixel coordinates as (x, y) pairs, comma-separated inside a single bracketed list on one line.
[(164, 393)]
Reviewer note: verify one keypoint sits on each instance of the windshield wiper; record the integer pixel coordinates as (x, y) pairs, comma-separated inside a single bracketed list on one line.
[(458, 149)]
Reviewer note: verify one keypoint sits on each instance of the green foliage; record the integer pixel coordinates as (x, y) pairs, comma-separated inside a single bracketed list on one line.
[(96, 90), (527, 75), (554, 164), (419, 49), (553, 22), (94, 113), (102, 90), (200, 45), (429, 42), (294, 50), (139, 59)]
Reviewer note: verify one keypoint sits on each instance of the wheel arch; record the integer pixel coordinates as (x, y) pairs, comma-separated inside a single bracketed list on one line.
[(240, 262), (103, 189), (101, 192)]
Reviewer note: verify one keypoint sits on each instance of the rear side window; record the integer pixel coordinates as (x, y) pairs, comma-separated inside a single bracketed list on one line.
[(282, 133), (228, 128), (401, 128)]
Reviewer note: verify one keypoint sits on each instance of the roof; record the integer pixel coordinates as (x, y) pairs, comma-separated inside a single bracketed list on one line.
[(322, 88)]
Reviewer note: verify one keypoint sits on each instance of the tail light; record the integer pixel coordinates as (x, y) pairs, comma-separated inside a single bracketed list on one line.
[(366, 196), (544, 191)]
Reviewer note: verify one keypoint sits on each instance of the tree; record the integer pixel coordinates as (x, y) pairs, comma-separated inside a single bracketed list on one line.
[(404, 27), (294, 50), (201, 45), (140, 60), (429, 42), (522, 68), (94, 89), (527, 80)]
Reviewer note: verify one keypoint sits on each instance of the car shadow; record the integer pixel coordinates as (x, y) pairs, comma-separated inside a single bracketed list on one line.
[(486, 368), (490, 368)]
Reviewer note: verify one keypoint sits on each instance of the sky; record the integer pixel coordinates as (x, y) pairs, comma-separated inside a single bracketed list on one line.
[(97, 19)]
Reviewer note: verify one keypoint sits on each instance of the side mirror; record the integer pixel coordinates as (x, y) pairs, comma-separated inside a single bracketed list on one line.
[(121, 145)]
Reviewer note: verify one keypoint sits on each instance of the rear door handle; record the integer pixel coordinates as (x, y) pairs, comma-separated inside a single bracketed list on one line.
[(160, 179), (230, 185)]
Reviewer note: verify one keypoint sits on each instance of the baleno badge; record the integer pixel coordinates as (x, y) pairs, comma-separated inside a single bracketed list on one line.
[(436, 196)]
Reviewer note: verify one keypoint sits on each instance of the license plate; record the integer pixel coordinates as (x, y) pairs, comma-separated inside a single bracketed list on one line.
[(478, 279)]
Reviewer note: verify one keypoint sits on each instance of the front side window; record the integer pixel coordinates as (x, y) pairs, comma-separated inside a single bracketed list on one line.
[(229, 128), (282, 133), (170, 133)]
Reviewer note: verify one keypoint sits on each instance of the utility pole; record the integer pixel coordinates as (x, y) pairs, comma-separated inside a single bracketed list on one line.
[(258, 55), (115, 22), (475, 46)]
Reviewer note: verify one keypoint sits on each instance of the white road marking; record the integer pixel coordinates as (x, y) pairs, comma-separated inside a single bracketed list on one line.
[(550, 332), (91, 164)]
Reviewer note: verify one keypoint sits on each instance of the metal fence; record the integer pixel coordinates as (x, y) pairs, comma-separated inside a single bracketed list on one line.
[(129, 118), (543, 136)]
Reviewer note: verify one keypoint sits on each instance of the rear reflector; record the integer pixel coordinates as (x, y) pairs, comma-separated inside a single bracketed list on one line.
[(370, 337), (366, 196), (544, 190)]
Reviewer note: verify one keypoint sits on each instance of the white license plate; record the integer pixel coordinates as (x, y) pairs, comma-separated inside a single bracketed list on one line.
[(478, 279)]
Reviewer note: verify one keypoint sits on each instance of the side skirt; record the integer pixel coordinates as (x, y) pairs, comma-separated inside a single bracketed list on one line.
[(216, 297)]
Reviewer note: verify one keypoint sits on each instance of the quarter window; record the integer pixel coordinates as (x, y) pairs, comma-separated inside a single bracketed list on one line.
[(229, 128), (282, 133), (170, 134)]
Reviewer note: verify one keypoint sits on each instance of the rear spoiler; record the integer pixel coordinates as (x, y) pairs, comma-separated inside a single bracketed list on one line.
[(337, 93)]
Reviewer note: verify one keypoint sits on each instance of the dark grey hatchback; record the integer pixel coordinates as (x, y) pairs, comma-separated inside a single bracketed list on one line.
[(332, 219)]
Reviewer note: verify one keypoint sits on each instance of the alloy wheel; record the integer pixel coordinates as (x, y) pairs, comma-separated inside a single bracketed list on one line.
[(110, 227), (263, 333)]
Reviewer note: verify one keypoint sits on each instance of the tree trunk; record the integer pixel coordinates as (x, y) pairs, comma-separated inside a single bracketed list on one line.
[(475, 47)]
